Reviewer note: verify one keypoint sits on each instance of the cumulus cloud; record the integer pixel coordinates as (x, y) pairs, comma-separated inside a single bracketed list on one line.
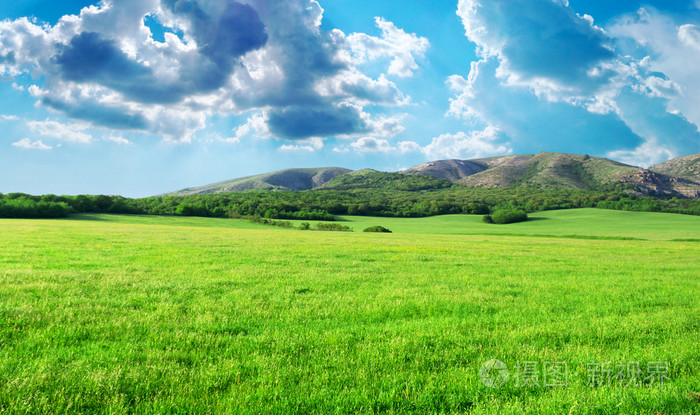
[(409, 147), (255, 126), (299, 122), (310, 145), (667, 46), (31, 145), (550, 79), (647, 154), (479, 143), (118, 140), (689, 34), (488, 142), (106, 67), (533, 124), (541, 44), (403, 48), (72, 133), (371, 145)]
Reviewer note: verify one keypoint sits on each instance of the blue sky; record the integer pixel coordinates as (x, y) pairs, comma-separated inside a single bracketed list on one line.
[(139, 97)]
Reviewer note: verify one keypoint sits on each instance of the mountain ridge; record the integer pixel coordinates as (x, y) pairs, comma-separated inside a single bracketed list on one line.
[(678, 177), (288, 179)]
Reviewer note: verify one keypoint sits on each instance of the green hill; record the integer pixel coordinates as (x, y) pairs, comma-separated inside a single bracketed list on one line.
[(549, 171), (290, 179), (559, 171), (372, 179), (452, 170), (686, 167)]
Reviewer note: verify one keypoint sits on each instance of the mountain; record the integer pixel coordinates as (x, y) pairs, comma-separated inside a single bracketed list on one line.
[(373, 179), (678, 177), (681, 175), (686, 167), (549, 171), (290, 179), (452, 170), (552, 171)]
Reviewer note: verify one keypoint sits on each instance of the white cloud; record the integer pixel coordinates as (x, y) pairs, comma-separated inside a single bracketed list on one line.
[(269, 57), (31, 145), (409, 147), (476, 144), (482, 143), (117, 139), (310, 146), (361, 89), (296, 148), (689, 34), (371, 145), (394, 43), (551, 79), (255, 126), (669, 46), (384, 126), (73, 133), (541, 45), (9, 117), (647, 154)]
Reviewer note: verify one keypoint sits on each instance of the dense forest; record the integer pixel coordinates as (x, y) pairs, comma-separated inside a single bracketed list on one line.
[(325, 204)]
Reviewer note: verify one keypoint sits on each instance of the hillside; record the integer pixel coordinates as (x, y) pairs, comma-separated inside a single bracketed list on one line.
[(677, 177), (686, 167), (290, 179), (452, 170), (558, 171), (372, 179), (549, 171), (681, 175)]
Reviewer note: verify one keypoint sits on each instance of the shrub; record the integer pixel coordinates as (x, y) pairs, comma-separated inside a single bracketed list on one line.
[(379, 229), (487, 219), (504, 216), (28, 208), (332, 227), (305, 226), (281, 223)]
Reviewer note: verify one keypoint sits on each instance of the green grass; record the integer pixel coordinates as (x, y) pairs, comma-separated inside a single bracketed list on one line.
[(572, 223), (116, 314)]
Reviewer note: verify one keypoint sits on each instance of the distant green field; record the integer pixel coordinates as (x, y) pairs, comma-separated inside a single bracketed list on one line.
[(118, 314), (572, 223)]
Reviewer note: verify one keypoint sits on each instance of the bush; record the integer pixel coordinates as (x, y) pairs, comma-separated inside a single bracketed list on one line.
[(487, 219), (332, 227), (305, 226), (504, 216), (379, 229), (28, 208)]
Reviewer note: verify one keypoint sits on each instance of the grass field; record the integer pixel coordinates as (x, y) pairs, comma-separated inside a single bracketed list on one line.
[(117, 314)]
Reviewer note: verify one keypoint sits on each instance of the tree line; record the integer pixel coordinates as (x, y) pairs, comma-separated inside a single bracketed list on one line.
[(326, 204)]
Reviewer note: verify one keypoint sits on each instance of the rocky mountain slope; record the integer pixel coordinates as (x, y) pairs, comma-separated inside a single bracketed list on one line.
[(290, 179), (686, 167), (549, 171), (452, 170), (678, 177)]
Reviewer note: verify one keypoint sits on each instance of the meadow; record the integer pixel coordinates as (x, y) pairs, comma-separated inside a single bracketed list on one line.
[(146, 314)]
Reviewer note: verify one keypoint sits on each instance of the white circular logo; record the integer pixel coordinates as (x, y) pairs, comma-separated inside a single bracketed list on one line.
[(494, 373)]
